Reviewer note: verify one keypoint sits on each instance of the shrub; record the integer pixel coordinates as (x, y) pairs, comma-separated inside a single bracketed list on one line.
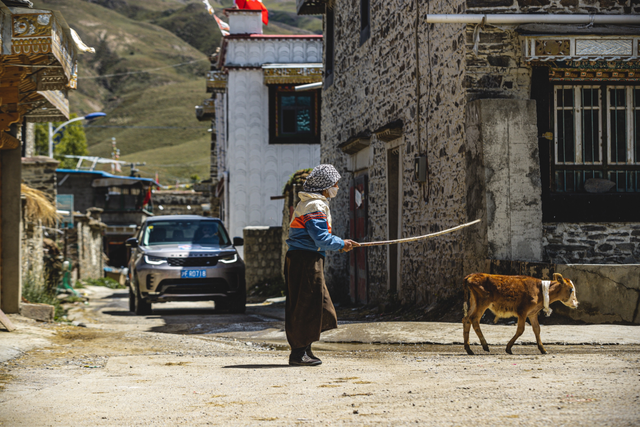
[(103, 281), (36, 293)]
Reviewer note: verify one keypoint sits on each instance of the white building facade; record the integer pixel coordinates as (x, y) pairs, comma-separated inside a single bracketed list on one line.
[(264, 129)]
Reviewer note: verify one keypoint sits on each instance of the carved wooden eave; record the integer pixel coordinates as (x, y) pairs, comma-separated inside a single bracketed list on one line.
[(40, 40), (540, 49), (356, 143), (311, 7), (8, 142), (292, 73), (206, 111), (52, 106), (216, 81), (390, 131), (37, 67)]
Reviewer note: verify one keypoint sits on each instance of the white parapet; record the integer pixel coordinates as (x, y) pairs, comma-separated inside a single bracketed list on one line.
[(245, 21)]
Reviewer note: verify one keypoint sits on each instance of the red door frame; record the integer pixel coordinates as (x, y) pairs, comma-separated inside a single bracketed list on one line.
[(358, 229)]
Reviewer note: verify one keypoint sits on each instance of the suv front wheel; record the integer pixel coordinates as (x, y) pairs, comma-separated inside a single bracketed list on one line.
[(137, 304)]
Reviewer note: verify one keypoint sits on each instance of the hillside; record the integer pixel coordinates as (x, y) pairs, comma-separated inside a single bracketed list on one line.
[(148, 73)]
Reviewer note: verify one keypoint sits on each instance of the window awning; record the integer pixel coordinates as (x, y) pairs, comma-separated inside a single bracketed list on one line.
[(293, 73)]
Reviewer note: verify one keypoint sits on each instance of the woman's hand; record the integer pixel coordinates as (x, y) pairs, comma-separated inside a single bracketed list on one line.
[(349, 245)]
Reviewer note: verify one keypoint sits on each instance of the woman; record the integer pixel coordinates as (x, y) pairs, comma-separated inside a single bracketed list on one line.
[(309, 310)]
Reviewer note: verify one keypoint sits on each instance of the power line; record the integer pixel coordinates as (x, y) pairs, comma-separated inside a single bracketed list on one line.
[(143, 127), (146, 70)]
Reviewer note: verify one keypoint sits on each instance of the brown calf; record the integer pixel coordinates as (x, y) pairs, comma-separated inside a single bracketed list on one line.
[(509, 296)]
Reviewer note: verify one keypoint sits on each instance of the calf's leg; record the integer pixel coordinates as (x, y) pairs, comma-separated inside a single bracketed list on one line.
[(533, 318), (521, 323), (466, 327), (475, 321), (466, 323)]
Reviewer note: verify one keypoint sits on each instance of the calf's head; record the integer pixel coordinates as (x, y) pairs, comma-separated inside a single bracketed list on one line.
[(567, 291)]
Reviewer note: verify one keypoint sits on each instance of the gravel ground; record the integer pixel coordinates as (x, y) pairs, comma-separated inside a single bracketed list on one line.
[(121, 372)]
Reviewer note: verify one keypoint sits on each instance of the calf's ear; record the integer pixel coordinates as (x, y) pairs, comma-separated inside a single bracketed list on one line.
[(558, 277)]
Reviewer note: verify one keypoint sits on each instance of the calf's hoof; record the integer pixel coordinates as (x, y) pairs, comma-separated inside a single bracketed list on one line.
[(468, 349), (485, 348), (508, 350), (542, 350)]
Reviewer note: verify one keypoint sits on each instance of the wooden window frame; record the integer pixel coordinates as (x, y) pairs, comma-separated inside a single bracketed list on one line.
[(275, 136), (572, 207)]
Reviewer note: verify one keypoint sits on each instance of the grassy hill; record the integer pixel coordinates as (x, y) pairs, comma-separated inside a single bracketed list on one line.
[(148, 73)]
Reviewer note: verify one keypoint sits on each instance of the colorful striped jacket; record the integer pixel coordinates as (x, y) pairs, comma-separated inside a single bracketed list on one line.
[(310, 228)]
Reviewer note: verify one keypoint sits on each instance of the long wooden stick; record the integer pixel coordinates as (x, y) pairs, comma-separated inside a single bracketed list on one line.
[(413, 239)]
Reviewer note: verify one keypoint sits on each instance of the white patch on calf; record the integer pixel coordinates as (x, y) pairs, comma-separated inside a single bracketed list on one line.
[(545, 297)]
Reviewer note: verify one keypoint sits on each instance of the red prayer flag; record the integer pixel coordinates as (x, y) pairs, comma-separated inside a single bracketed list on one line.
[(254, 5), (147, 198)]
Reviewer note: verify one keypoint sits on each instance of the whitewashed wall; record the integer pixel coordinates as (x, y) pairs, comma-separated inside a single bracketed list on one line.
[(255, 53), (257, 170)]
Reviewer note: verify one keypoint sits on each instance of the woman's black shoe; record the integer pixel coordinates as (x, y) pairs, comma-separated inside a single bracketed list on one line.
[(310, 353), (299, 357)]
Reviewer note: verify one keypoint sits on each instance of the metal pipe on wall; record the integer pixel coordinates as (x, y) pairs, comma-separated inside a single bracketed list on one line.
[(506, 19)]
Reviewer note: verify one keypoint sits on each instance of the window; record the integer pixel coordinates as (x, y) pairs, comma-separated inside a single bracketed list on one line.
[(365, 20), (596, 135), (329, 47), (294, 117)]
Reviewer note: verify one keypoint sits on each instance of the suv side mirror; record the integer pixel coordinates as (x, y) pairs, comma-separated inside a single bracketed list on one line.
[(131, 242), (238, 241)]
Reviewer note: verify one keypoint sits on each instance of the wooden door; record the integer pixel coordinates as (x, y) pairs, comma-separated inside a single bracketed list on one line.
[(358, 219)]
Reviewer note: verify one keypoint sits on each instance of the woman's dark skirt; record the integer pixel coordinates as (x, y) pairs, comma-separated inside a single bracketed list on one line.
[(309, 310)]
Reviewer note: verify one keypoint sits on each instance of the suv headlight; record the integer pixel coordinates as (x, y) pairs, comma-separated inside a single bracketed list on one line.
[(154, 260), (229, 259)]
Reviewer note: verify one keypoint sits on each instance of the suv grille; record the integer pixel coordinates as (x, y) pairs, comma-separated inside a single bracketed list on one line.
[(193, 261), (193, 286)]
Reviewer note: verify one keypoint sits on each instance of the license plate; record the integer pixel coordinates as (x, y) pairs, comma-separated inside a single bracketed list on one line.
[(193, 274)]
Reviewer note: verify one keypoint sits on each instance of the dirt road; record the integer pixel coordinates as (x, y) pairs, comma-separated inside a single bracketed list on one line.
[(157, 370)]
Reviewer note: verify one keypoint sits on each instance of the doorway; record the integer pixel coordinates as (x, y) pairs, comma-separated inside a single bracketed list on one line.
[(358, 219)]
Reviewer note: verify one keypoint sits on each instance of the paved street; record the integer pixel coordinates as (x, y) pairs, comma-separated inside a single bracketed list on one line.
[(186, 364)]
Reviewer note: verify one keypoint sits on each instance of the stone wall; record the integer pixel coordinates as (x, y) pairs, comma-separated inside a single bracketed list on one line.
[(32, 250), (596, 243), (553, 6), (39, 172), (181, 203), (262, 254), (606, 293), (375, 84), (85, 245)]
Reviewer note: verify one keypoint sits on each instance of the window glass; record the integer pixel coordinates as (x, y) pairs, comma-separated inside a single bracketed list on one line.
[(296, 116), (176, 232)]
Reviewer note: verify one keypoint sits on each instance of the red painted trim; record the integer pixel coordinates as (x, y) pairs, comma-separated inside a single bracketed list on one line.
[(273, 36)]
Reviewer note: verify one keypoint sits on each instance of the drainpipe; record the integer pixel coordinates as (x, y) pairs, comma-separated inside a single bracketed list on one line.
[(506, 19)]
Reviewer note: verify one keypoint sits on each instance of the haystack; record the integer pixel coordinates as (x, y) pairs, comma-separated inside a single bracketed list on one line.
[(39, 206)]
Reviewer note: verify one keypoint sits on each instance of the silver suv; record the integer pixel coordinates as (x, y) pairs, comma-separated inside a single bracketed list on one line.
[(185, 258)]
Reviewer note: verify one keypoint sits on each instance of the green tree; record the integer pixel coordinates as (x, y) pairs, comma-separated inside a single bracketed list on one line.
[(72, 143)]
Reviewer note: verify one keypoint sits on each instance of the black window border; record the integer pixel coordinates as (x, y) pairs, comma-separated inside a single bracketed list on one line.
[(572, 207), (329, 47), (274, 138), (365, 21)]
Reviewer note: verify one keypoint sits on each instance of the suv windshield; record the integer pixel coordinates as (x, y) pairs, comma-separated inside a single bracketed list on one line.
[(199, 232)]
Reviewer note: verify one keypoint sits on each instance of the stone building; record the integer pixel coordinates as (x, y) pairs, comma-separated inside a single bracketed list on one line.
[(527, 123), (121, 200), (263, 130)]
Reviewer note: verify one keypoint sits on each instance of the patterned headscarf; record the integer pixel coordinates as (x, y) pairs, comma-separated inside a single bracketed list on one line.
[(321, 178)]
